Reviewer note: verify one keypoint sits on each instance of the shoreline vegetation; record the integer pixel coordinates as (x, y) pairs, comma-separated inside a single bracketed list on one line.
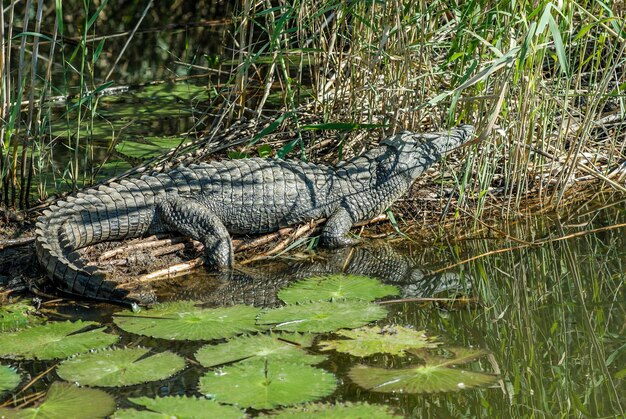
[(323, 81)]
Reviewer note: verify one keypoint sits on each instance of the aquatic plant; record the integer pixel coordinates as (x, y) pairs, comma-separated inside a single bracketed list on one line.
[(120, 367), (54, 340), (185, 320), (65, 400)]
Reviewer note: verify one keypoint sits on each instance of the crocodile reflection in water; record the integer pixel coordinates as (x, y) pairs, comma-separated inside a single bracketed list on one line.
[(258, 285)]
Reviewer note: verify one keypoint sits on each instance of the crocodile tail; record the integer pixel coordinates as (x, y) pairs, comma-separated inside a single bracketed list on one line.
[(113, 212)]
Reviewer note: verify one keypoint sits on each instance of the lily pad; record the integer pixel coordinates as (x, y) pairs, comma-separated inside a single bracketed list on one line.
[(179, 406), (333, 411), (120, 367), (17, 316), (183, 320), (304, 340), (367, 341), (54, 340), (9, 378), (67, 401), (336, 287), (435, 376), (254, 347), (322, 316), (263, 384)]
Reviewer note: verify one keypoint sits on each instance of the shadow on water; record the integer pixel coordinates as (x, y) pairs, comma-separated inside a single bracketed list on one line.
[(259, 284)]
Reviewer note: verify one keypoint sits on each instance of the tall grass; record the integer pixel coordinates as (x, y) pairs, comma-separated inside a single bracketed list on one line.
[(544, 81), (421, 65)]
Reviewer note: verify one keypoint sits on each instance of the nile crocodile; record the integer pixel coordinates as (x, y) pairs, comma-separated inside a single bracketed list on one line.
[(248, 196)]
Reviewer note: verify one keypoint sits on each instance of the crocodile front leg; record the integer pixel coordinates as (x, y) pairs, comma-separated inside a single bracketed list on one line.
[(335, 232), (190, 218)]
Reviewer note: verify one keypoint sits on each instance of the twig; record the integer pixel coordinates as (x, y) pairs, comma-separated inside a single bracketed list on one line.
[(169, 271), (430, 299), (29, 384), (241, 245), (581, 166), (22, 241), (145, 243)]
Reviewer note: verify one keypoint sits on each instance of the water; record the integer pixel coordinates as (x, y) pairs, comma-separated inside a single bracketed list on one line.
[(550, 318)]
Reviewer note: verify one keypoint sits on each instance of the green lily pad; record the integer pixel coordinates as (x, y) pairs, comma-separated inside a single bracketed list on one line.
[(263, 384), (322, 316), (254, 347), (367, 341), (334, 411), (336, 287), (183, 320), (120, 367), (67, 401), (9, 378), (54, 340), (435, 376), (17, 316), (304, 340), (179, 406)]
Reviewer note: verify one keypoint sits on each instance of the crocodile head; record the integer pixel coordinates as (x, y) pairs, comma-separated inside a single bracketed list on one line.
[(413, 153)]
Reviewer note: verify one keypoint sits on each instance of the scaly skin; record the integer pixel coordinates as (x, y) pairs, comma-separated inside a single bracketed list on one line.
[(250, 196)]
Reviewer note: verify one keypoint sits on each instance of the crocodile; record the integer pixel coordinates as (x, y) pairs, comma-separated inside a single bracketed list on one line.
[(209, 201)]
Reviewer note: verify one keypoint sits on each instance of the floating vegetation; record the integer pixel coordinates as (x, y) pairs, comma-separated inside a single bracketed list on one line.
[(148, 147), (17, 316), (435, 376), (322, 316), (304, 339), (255, 347), (179, 406), (263, 384), (184, 320), (367, 341), (336, 287), (120, 367), (67, 401), (333, 411), (9, 378), (54, 340), (168, 91)]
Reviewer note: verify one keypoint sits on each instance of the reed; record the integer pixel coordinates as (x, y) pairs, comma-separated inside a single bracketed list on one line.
[(543, 81)]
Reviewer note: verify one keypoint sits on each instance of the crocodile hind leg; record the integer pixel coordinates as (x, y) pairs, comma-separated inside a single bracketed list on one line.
[(193, 219), (335, 232)]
